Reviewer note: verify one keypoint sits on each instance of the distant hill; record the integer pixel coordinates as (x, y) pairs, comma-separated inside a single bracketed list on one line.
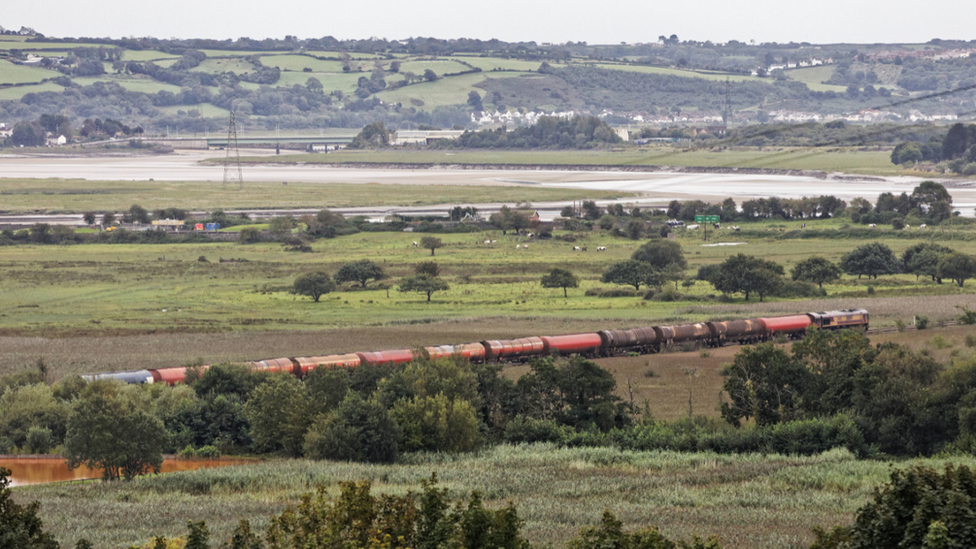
[(295, 83)]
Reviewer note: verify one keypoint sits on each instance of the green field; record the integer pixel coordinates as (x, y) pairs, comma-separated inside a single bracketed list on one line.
[(492, 63), (442, 92), (147, 55), (299, 62), (814, 77), (218, 65), (78, 195), (22, 74), (17, 92), (142, 288), (750, 501), (439, 66), (707, 75), (849, 160)]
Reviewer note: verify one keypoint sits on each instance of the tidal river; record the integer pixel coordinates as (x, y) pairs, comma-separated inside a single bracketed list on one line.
[(34, 470)]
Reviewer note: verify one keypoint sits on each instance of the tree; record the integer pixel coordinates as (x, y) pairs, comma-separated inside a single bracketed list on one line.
[(765, 383), (423, 283), (437, 424), (314, 285), (560, 278), (314, 85), (634, 229), (137, 214), (591, 211), (917, 507), (108, 218), (661, 253), (278, 412), (361, 271), (474, 101), (395, 67), (672, 272), (89, 218), (430, 75), (747, 274), (20, 527), (281, 225), (607, 222), (431, 243), (108, 431), (817, 270), (956, 266), (28, 134), (632, 273), (430, 268), (358, 430), (372, 136), (922, 259), (870, 259)]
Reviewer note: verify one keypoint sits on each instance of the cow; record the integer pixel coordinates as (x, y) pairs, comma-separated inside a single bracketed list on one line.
[(872, 226), (922, 226), (415, 245), (692, 227), (601, 249), (487, 242), (576, 248), (518, 246), (583, 248)]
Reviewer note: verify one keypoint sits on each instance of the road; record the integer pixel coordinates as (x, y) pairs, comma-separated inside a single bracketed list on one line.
[(657, 188)]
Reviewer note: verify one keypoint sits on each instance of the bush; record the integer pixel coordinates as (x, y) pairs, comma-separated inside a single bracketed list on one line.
[(611, 292), (921, 322), (529, 430), (39, 440), (187, 453), (871, 290), (668, 296), (248, 235), (798, 288), (970, 340), (900, 325), (209, 452)]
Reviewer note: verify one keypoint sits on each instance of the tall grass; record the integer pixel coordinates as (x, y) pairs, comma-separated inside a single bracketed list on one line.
[(750, 500)]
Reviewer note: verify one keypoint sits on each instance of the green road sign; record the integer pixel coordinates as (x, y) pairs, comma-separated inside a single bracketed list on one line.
[(711, 218), (699, 219)]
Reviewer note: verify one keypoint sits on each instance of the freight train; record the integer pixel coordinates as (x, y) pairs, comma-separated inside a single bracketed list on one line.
[(605, 343)]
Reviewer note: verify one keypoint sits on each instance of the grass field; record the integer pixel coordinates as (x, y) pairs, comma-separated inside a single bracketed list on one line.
[(442, 92), (235, 64), (707, 75), (77, 195), (849, 160), (814, 77), (17, 92), (147, 55), (118, 289), (491, 63), (299, 62), (22, 74), (750, 501)]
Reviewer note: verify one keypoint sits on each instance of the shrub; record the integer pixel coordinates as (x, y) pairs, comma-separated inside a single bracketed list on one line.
[(798, 288), (900, 325), (968, 317), (970, 340), (187, 453), (529, 430), (870, 290), (940, 342), (921, 322), (209, 452), (668, 296), (39, 440)]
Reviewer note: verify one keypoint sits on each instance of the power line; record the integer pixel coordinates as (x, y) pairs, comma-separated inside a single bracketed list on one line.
[(232, 145)]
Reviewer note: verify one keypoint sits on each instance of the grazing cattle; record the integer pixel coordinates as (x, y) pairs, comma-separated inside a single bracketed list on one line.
[(525, 246), (518, 246), (717, 225), (803, 225), (872, 226), (576, 248), (601, 249), (922, 226), (908, 226), (415, 244), (493, 241), (531, 235), (692, 227), (735, 228), (487, 242), (584, 248)]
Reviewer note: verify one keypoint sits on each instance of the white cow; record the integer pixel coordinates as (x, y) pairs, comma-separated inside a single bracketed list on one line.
[(601, 249), (692, 227), (518, 246), (922, 226), (872, 226), (576, 248), (415, 244)]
